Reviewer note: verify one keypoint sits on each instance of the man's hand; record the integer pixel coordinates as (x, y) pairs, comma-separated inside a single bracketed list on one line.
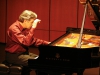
[(35, 23)]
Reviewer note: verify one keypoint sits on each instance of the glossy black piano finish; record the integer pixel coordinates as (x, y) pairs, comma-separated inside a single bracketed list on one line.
[(62, 59)]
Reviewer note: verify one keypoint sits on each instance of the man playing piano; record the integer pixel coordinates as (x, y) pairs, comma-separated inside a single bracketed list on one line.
[(20, 35)]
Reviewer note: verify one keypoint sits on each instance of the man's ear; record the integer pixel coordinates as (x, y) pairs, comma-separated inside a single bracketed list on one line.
[(25, 20)]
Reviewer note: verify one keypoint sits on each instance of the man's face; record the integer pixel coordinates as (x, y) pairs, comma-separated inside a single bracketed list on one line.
[(28, 23)]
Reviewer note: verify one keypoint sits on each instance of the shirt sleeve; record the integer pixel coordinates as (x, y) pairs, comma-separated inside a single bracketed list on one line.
[(17, 36), (40, 42)]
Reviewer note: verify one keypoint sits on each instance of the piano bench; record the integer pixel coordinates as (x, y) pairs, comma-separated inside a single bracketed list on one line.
[(4, 69), (10, 69), (15, 70)]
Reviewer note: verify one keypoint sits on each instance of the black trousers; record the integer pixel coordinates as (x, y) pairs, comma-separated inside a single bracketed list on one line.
[(20, 59)]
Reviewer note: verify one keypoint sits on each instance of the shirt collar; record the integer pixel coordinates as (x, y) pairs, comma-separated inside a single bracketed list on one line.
[(19, 25)]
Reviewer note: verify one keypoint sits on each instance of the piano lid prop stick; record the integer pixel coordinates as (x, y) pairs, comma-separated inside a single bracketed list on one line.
[(81, 32)]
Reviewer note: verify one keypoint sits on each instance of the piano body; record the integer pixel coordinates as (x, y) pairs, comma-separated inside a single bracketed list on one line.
[(62, 55)]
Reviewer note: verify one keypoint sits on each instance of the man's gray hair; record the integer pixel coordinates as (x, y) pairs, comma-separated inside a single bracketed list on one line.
[(27, 15)]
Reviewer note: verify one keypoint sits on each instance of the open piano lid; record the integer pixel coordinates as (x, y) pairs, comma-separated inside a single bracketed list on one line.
[(93, 11)]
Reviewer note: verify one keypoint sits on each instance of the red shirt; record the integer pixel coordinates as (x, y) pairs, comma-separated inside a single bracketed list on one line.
[(18, 38)]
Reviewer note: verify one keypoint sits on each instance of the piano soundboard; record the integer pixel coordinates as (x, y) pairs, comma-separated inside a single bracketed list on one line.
[(71, 40)]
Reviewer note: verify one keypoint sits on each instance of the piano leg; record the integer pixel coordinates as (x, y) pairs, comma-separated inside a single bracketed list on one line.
[(80, 71), (40, 73), (59, 74), (62, 74), (56, 74)]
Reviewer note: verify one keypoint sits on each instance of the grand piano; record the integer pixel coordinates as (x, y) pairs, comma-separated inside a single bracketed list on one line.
[(62, 56)]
